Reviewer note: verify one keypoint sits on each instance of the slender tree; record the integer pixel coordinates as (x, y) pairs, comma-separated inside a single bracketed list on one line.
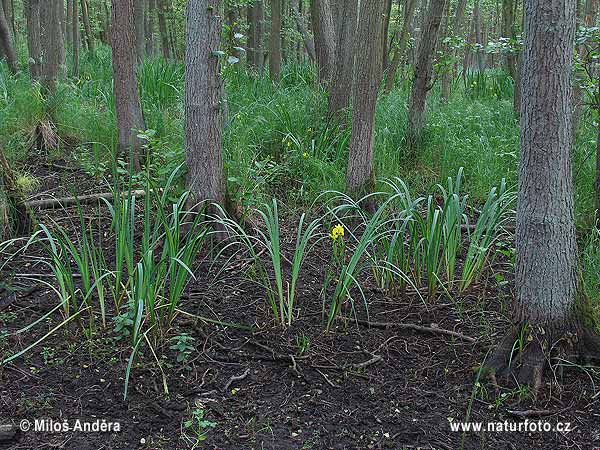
[(309, 43), (34, 45), (163, 29), (139, 8), (205, 178), (275, 41), (85, 16), (6, 42), (324, 32), (52, 43), (149, 25), (417, 114), (400, 50), (127, 98), (457, 31), (546, 310), (75, 38), (341, 86), (360, 176)]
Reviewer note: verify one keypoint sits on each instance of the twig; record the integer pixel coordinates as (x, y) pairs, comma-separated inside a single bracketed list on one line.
[(375, 359), (83, 199), (415, 327), (236, 378), (327, 379), (532, 413)]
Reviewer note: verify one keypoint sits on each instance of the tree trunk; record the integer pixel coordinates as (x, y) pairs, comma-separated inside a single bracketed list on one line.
[(399, 53), (6, 42), (34, 44), (360, 176), (205, 178), (69, 24), (75, 38), (163, 29), (15, 218), (478, 37), (53, 46), (324, 32), (417, 114), (309, 43), (275, 42), (341, 86), (385, 34), (128, 106), (150, 11), (139, 14), (546, 271), (457, 30), (508, 32), (85, 15)]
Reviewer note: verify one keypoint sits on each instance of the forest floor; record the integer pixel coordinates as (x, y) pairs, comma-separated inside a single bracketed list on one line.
[(260, 387)]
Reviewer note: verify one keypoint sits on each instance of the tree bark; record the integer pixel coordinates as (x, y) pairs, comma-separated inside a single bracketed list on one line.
[(275, 42), (309, 43), (69, 24), (6, 43), (385, 34), (360, 176), (508, 32), (53, 45), (478, 36), (205, 178), (324, 32), (417, 114), (128, 106), (139, 14), (399, 53), (163, 29), (34, 45), (85, 15), (149, 24), (75, 37), (546, 271), (341, 86)]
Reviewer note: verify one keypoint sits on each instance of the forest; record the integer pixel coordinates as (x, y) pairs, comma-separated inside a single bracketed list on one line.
[(299, 224)]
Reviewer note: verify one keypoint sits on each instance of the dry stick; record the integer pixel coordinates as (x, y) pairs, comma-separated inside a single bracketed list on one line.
[(82, 199), (534, 413), (412, 326), (236, 378)]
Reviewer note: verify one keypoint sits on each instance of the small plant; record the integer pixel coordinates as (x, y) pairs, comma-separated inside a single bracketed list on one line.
[(183, 344), (302, 344), (198, 425)]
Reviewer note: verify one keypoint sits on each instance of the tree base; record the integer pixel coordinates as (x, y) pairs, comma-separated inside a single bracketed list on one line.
[(524, 355)]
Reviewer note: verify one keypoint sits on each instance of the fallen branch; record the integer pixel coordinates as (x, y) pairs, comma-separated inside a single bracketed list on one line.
[(235, 378), (415, 327), (532, 413), (82, 199)]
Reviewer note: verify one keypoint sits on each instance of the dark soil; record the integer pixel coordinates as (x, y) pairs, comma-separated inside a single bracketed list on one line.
[(267, 388)]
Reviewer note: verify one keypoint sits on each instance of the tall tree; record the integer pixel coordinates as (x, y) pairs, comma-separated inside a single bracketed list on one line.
[(417, 114), (457, 31), (128, 106), (75, 38), (360, 176), (341, 86), (324, 32), (34, 44), (275, 41), (508, 32), (149, 25), (400, 50), (52, 43), (139, 14), (309, 43), (85, 16), (205, 177), (546, 272), (163, 29), (6, 42)]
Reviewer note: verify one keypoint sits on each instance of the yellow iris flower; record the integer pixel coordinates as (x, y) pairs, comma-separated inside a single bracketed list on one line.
[(337, 232)]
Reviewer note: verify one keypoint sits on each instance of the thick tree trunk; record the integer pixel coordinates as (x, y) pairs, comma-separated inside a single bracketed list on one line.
[(139, 14), (53, 45), (546, 272), (34, 44), (275, 41), (360, 176), (75, 37), (417, 114), (324, 32), (341, 86), (85, 15), (128, 106), (6, 42), (399, 53), (163, 29), (205, 178), (457, 30)]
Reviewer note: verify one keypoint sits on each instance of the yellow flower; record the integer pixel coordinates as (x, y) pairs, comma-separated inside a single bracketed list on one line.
[(306, 155), (337, 232), (289, 143)]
